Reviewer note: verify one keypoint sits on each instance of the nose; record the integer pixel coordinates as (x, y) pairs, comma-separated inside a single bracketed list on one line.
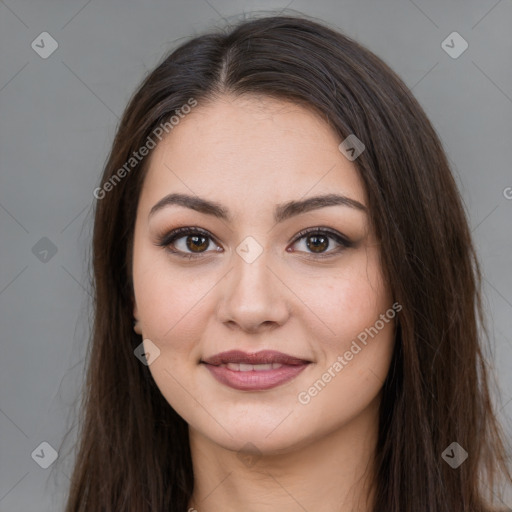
[(253, 295)]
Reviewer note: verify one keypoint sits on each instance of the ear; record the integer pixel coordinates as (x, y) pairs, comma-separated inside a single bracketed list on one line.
[(136, 323)]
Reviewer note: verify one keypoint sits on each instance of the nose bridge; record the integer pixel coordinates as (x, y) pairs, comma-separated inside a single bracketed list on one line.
[(253, 295), (252, 269)]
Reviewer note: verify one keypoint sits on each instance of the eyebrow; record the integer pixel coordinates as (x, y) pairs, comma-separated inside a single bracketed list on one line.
[(282, 211)]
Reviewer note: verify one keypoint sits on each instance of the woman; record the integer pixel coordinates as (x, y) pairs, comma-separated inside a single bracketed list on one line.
[(286, 293)]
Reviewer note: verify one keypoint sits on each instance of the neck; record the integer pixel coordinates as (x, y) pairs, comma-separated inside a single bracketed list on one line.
[(330, 474)]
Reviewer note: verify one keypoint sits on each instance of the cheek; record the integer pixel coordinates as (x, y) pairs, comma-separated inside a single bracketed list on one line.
[(350, 300), (168, 305), (167, 301), (356, 350), (352, 374)]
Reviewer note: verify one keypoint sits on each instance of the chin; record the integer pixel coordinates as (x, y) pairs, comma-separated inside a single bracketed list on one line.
[(251, 434)]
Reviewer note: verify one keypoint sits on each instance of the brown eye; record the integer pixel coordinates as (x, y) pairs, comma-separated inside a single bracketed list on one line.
[(188, 242), (197, 243), (317, 243)]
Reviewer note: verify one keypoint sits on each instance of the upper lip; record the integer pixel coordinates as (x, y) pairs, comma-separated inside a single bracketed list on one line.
[(262, 357)]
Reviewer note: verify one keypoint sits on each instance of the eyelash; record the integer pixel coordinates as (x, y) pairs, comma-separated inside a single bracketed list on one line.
[(168, 239)]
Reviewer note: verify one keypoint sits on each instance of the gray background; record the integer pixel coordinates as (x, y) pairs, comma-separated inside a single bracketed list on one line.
[(58, 119)]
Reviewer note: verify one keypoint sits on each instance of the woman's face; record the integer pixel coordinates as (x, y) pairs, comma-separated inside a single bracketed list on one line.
[(245, 279)]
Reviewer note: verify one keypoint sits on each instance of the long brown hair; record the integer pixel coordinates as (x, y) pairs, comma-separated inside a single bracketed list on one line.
[(133, 452)]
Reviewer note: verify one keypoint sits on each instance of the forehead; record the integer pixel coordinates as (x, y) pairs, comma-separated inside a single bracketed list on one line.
[(251, 147)]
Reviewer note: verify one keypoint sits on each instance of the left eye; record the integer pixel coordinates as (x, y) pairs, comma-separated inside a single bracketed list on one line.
[(317, 241)]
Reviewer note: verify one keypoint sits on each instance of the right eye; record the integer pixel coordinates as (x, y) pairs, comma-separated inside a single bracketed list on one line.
[(195, 239)]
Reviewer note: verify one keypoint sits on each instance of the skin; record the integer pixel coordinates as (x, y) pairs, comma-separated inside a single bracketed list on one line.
[(249, 154)]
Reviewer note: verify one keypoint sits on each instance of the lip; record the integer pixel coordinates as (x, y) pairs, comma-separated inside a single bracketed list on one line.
[(254, 379), (261, 357)]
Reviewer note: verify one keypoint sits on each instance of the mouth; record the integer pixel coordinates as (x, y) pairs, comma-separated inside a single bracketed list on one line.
[(253, 372)]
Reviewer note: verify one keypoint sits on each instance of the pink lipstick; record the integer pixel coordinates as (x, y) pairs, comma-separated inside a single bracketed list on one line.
[(256, 371)]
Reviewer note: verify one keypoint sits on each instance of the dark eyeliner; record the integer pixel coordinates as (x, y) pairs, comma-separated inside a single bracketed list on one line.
[(167, 239), (338, 237)]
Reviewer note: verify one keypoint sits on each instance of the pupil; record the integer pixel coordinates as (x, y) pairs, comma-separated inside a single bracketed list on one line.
[(195, 245), (314, 244)]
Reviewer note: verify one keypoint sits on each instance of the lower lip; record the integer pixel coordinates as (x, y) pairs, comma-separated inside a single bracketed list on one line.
[(255, 380)]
